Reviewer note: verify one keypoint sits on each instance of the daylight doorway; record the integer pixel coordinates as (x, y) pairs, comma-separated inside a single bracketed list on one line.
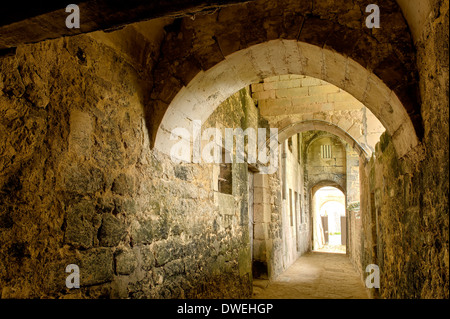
[(330, 228)]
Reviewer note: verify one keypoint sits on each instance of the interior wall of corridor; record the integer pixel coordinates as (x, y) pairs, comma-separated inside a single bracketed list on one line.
[(85, 188), (296, 219), (138, 224), (404, 200)]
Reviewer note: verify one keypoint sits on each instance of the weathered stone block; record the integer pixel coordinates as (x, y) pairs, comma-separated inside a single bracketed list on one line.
[(309, 81), (124, 185), (141, 232), (158, 275), (292, 92), (259, 250), (125, 261), (82, 223), (112, 231), (183, 173), (96, 266), (302, 101), (323, 89), (174, 267), (260, 180), (167, 250), (83, 179), (244, 262), (339, 97), (264, 95), (257, 87), (261, 195), (147, 258), (80, 133), (262, 212), (260, 231), (125, 206)]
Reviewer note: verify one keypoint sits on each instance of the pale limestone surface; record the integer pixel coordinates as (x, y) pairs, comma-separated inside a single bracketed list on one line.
[(315, 275)]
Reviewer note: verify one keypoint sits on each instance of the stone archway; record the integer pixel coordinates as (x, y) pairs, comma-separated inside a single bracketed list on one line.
[(208, 89), (318, 125), (329, 218)]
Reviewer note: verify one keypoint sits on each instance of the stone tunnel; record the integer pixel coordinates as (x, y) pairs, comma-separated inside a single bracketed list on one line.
[(180, 149)]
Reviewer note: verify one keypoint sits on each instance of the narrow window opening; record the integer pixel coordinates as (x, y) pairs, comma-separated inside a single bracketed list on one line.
[(325, 151)]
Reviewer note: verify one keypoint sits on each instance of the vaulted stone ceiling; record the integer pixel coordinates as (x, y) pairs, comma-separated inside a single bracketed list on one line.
[(211, 30), (111, 14), (46, 20)]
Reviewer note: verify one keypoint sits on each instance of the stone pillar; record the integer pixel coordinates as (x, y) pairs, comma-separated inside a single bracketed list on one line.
[(262, 214)]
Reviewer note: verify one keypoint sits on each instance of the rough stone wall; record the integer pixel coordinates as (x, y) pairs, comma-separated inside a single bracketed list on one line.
[(433, 176), (401, 232), (272, 243), (296, 235), (404, 233), (80, 185), (70, 129), (275, 245), (404, 207)]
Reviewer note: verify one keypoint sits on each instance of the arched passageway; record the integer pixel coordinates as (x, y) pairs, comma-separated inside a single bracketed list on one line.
[(86, 175)]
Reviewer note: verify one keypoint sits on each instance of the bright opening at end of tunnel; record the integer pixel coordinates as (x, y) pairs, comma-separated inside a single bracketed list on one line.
[(329, 221)]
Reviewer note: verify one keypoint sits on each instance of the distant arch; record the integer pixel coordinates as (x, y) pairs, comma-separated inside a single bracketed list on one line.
[(319, 125), (326, 183)]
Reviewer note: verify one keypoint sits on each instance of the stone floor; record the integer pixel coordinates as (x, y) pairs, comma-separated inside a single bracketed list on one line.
[(338, 249), (316, 275)]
